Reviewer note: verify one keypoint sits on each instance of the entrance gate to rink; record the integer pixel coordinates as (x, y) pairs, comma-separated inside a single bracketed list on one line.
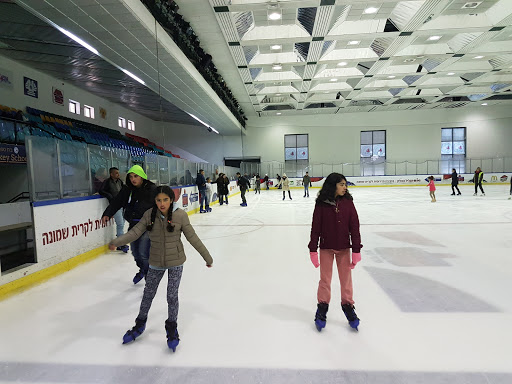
[(389, 168)]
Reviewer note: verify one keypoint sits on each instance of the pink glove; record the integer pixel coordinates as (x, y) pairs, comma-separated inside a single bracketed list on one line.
[(314, 259), (356, 258)]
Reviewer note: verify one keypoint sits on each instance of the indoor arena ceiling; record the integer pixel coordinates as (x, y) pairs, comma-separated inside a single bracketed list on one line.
[(124, 34), (295, 57)]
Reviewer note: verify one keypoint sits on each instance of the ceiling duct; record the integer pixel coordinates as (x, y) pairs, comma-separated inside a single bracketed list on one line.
[(282, 107), (452, 99), (250, 52), (364, 103), (380, 45), (255, 72)]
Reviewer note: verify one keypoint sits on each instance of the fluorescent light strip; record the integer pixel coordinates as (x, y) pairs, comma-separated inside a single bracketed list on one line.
[(133, 76), (202, 122), (78, 40)]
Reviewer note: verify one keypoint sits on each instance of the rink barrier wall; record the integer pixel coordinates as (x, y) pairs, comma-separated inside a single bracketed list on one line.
[(68, 232), (400, 181), (40, 276)]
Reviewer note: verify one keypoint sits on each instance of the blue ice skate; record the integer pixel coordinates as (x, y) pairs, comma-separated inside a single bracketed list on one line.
[(350, 313), (138, 276), (136, 331)]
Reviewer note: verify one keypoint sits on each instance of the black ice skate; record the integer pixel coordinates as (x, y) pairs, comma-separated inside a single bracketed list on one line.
[(173, 338), (321, 316), (350, 313)]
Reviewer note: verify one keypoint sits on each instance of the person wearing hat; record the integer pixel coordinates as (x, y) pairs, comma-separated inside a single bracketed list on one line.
[(135, 197)]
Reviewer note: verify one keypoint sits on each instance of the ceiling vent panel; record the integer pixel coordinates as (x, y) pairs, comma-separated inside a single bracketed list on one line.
[(404, 11), (500, 97), (477, 97), (306, 18), (395, 91), (499, 87), (244, 22), (320, 105), (250, 52), (411, 79), (380, 45), (255, 72), (339, 16), (299, 70), (327, 47), (452, 99), (283, 107), (467, 77), (417, 100), (245, 75), (364, 103), (461, 40), (302, 50), (500, 61), (430, 63)]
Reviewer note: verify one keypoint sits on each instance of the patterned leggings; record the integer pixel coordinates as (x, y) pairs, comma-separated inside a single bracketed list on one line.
[(152, 281)]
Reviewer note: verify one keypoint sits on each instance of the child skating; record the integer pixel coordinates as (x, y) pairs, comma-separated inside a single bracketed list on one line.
[(164, 223), (432, 188), (336, 226)]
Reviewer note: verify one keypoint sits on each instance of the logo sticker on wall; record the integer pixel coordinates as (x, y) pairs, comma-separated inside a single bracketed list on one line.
[(58, 96), (194, 197), (5, 78), (30, 87)]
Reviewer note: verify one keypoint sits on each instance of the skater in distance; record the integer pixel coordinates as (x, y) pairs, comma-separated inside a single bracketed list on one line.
[(164, 223), (336, 227)]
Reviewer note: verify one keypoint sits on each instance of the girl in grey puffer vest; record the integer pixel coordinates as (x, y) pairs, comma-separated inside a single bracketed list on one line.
[(164, 224)]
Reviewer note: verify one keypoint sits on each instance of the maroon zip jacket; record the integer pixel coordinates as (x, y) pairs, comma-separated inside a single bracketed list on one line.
[(335, 223)]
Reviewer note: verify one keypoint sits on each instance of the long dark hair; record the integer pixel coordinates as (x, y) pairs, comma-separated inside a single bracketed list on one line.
[(169, 192), (328, 191)]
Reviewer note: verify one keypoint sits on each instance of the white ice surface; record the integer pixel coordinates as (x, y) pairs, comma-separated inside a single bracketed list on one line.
[(255, 307)]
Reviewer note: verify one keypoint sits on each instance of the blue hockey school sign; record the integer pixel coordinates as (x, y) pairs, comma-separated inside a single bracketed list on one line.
[(12, 154)]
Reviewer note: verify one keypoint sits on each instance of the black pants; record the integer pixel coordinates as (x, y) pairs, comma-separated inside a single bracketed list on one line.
[(479, 185), (242, 192), (456, 187), (289, 194)]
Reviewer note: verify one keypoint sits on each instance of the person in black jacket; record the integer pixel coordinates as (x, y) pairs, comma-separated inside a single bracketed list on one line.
[(243, 183), (201, 185), (136, 197), (110, 189), (455, 182)]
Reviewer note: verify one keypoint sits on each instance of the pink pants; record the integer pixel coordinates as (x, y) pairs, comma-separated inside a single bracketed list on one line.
[(344, 273)]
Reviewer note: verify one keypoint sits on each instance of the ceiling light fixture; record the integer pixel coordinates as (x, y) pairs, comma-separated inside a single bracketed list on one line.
[(434, 38), (334, 79), (274, 16), (275, 47), (451, 73), (277, 67), (278, 94), (391, 77), (354, 42), (478, 57), (371, 10), (278, 113), (342, 64), (484, 104)]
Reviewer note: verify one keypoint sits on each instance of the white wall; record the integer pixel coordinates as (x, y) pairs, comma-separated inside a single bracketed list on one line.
[(410, 135), (185, 139)]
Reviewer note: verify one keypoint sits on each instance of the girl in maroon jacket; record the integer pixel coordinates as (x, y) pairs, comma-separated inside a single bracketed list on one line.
[(336, 225)]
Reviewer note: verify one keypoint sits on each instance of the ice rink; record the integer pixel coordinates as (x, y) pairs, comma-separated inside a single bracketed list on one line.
[(432, 292)]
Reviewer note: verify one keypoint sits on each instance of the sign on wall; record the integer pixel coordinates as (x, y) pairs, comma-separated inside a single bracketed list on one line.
[(103, 113), (12, 154), (57, 96), (30, 87), (5, 78)]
